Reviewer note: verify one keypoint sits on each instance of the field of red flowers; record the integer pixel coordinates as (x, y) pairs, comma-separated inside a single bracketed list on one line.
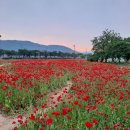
[(99, 98)]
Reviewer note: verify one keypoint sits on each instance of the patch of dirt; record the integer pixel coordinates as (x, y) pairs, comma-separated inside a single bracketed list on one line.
[(6, 122), (5, 64), (1, 65), (54, 98)]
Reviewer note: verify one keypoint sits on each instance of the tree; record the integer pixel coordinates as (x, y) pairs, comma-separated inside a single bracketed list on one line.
[(127, 39), (24, 53), (127, 52), (103, 42), (46, 54), (10, 53), (1, 52), (119, 50), (92, 57)]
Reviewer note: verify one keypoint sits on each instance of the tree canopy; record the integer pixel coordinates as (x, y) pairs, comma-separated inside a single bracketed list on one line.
[(110, 45)]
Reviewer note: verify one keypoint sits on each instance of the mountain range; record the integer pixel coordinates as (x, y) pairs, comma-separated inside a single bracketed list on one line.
[(18, 44)]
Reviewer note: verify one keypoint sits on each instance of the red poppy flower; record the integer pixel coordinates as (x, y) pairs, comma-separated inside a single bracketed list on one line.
[(5, 87), (32, 117), (107, 128), (65, 111), (89, 124), (15, 128), (56, 113), (41, 128), (20, 116), (86, 98), (128, 113), (95, 121), (49, 121)]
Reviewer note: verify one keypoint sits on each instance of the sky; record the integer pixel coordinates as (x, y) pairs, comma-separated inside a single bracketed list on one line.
[(63, 22)]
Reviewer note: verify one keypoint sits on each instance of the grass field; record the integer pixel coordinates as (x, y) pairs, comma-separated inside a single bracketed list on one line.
[(125, 64), (98, 98)]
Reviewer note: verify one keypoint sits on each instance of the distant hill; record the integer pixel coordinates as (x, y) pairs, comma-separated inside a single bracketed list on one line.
[(17, 44)]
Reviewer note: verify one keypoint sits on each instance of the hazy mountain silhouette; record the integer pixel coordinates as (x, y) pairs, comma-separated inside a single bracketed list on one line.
[(18, 44)]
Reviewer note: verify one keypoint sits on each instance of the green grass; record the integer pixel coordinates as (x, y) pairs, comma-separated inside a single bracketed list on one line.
[(124, 64)]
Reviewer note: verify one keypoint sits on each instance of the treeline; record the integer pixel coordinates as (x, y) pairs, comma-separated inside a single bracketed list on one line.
[(34, 54), (110, 45)]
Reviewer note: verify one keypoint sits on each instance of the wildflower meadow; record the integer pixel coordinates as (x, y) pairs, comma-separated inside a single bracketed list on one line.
[(97, 99)]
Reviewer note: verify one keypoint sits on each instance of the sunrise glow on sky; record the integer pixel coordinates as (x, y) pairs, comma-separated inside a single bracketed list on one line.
[(63, 22)]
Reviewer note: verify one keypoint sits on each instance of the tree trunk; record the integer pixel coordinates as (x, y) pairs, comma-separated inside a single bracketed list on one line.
[(119, 60), (112, 59), (102, 59)]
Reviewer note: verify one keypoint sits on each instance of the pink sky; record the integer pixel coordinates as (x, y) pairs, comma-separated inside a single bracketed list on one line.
[(48, 41), (63, 22)]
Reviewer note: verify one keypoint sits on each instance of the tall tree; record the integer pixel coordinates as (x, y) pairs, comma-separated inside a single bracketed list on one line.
[(119, 50), (101, 43)]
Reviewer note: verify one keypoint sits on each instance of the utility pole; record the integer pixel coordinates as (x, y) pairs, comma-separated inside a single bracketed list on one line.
[(0, 39), (74, 51), (86, 53)]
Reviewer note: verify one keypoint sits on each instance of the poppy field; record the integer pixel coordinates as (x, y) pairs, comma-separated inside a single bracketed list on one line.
[(98, 99)]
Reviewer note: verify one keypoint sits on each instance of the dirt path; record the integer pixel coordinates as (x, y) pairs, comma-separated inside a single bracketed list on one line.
[(6, 122), (54, 98), (4, 64), (1, 65)]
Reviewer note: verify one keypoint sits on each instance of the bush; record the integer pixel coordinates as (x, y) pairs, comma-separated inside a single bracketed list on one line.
[(92, 58)]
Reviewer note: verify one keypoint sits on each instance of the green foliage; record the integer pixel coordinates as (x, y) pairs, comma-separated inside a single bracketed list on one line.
[(93, 58), (111, 45), (27, 54)]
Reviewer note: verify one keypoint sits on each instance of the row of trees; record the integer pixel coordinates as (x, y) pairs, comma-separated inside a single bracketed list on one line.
[(23, 53), (110, 45)]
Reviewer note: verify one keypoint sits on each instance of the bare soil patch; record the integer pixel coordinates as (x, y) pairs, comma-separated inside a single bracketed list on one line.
[(54, 98)]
